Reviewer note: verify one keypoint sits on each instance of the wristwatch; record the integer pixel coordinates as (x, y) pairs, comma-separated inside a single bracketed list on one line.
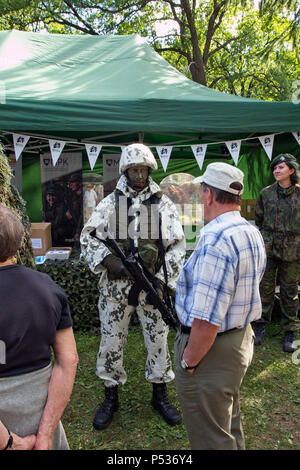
[(185, 365), (9, 442)]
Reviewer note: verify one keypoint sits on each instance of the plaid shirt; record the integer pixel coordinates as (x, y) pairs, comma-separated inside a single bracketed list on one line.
[(219, 283)]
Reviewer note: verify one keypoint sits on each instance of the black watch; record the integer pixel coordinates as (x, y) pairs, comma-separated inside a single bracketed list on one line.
[(9, 442)]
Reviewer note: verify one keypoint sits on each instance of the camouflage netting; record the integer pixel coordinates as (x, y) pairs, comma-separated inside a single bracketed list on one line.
[(81, 287), (10, 197)]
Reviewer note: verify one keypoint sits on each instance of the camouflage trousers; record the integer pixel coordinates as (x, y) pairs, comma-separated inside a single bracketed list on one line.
[(114, 318), (286, 275)]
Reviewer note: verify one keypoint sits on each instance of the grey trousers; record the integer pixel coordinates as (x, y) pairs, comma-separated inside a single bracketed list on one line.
[(22, 401), (209, 398)]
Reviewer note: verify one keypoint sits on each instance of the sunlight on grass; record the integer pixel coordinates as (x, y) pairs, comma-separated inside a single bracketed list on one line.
[(270, 403)]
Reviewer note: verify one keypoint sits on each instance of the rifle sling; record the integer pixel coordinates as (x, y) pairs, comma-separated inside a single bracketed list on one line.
[(134, 293)]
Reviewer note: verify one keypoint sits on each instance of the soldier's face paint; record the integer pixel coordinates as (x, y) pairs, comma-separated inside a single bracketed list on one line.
[(282, 174), (138, 177)]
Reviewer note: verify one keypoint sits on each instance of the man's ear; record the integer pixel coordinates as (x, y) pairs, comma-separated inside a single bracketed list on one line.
[(210, 196)]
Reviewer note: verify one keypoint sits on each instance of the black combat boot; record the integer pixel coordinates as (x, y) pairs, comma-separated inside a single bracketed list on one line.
[(260, 331), (288, 342), (161, 403), (105, 412)]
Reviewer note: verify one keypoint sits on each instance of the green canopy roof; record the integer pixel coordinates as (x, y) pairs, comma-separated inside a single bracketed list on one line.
[(114, 90), (80, 86)]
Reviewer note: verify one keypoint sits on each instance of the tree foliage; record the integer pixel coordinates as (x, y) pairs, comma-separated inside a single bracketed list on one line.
[(225, 44)]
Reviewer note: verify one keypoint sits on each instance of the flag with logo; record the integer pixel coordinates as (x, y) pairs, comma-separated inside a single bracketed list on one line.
[(56, 148), (297, 136), (234, 147), (19, 143), (267, 142), (199, 152), (92, 151), (164, 154)]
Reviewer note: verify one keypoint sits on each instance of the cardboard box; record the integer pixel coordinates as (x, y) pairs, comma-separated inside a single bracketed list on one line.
[(41, 237), (58, 252)]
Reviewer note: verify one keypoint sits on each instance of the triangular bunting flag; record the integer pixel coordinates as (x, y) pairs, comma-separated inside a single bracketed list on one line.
[(164, 154), (234, 147), (93, 151), (267, 143), (19, 143), (199, 152), (297, 136), (56, 147)]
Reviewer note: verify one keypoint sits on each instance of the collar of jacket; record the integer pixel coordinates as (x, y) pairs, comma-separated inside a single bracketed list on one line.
[(146, 193), (284, 192)]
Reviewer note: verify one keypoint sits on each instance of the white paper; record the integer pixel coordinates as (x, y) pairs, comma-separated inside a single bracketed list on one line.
[(36, 243)]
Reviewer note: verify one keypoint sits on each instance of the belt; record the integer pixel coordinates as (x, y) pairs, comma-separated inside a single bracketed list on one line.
[(187, 330)]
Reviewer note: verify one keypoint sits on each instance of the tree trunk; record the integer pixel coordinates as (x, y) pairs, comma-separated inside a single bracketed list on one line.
[(197, 67)]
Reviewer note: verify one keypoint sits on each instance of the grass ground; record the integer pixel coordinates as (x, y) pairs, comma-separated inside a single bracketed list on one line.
[(270, 402)]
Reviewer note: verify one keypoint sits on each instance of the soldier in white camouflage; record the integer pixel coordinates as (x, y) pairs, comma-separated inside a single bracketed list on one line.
[(131, 214)]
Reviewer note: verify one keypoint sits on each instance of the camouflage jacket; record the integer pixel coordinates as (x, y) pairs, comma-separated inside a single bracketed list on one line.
[(277, 214), (94, 252)]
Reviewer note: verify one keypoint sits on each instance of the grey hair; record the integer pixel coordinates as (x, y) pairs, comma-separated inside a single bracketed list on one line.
[(11, 233)]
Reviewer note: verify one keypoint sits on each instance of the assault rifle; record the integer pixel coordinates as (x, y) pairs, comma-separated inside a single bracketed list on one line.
[(143, 281)]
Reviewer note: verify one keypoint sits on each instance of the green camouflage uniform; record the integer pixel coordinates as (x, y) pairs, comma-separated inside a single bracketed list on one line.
[(277, 214), (114, 311)]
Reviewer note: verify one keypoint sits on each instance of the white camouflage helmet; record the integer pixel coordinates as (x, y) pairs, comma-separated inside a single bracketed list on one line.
[(136, 155)]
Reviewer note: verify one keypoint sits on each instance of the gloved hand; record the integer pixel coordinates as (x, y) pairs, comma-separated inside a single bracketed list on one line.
[(159, 287), (115, 268)]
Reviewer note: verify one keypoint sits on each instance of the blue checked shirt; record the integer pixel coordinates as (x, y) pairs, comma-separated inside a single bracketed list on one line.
[(219, 283)]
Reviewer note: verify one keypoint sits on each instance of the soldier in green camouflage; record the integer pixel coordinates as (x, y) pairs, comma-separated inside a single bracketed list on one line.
[(277, 214), (131, 214)]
